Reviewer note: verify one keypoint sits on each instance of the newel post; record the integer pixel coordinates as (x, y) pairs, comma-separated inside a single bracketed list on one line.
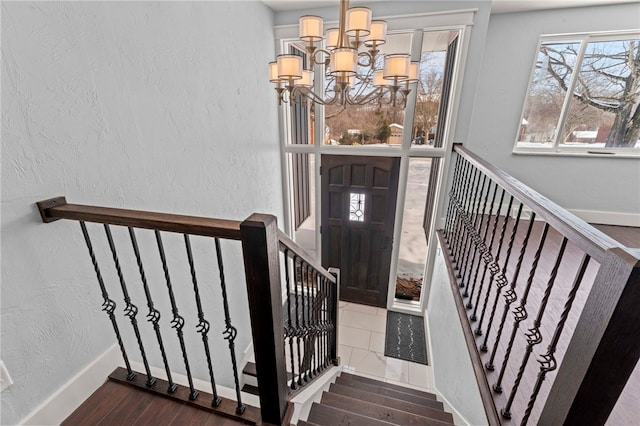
[(262, 268)]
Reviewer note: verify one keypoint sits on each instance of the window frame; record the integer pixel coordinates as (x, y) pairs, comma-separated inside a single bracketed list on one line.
[(556, 149)]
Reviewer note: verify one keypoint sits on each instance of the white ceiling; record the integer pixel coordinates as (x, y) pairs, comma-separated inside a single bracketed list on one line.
[(498, 6)]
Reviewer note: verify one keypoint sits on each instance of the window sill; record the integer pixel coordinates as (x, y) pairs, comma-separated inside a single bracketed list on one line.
[(590, 154)]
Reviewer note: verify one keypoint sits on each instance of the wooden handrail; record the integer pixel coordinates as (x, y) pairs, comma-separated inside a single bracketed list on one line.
[(288, 243), (591, 240), (57, 208)]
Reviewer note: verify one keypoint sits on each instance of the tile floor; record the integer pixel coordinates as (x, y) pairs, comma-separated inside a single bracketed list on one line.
[(361, 349)]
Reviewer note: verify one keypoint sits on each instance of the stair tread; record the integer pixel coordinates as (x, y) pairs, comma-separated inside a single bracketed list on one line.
[(250, 389), (250, 370), (383, 390), (376, 411), (416, 392), (324, 415), (434, 413)]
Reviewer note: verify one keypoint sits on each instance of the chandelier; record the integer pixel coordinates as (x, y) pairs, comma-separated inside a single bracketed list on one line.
[(353, 75)]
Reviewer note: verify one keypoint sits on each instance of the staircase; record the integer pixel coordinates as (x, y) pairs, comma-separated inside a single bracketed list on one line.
[(355, 400)]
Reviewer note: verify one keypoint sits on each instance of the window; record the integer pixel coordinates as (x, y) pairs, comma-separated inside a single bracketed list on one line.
[(583, 96)]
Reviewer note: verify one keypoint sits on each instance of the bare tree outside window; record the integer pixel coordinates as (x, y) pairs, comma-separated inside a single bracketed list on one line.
[(584, 94)]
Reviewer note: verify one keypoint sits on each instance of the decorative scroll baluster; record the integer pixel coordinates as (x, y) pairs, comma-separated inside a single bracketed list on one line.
[(203, 325), (502, 279), (464, 200), (230, 331), (177, 322), (510, 295), (481, 247), (548, 362), (451, 209), (108, 305), (316, 322), (154, 315), (454, 200), (486, 254), (130, 310), (494, 263), (308, 347), (475, 239), (460, 200), (520, 312), (469, 226), (289, 330), (533, 334), (297, 266)]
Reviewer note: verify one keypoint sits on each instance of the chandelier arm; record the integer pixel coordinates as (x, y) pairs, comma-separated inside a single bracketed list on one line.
[(314, 59), (355, 100), (311, 95), (369, 59)]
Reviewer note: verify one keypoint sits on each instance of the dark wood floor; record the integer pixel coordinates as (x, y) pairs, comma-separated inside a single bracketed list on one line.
[(626, 413), (118, 404)]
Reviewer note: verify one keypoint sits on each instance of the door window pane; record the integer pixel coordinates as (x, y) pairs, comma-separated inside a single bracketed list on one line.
[(356, 207)]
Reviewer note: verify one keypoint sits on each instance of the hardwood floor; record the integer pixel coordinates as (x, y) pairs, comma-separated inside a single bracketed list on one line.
[(626, 411), (118, 402)]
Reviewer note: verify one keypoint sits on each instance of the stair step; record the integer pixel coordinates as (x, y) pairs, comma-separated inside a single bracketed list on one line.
[(386, 414), (328, 416), (383, 390), (416, 392), (386, 401), (250, 370), (250, 389)]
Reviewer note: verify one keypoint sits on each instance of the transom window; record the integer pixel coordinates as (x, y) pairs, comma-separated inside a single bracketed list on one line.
[(583, 96)]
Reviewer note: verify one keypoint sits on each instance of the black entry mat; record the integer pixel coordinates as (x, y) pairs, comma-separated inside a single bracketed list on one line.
[(405, 337)]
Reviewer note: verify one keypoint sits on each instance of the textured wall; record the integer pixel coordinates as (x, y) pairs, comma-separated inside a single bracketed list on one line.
[(452, 369), (158, 106), (597, 184)]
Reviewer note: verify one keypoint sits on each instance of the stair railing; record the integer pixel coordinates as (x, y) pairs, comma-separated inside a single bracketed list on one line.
[(518, 261), (261, 244)]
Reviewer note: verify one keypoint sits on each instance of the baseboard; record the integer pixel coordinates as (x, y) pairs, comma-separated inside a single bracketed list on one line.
[(311, 393), (608, 218), (458, 419), (73, 393)]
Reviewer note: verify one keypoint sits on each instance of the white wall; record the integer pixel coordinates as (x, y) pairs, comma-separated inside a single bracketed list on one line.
[(592, 184), (157, 106), (453, 373)]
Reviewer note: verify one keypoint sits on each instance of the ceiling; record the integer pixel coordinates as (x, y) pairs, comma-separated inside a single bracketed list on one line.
[(497, 6)]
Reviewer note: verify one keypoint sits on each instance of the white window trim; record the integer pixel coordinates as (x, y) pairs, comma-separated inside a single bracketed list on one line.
[(564, 151)]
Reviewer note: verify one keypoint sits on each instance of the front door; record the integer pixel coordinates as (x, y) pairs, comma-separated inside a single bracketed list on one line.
[(358, 212)]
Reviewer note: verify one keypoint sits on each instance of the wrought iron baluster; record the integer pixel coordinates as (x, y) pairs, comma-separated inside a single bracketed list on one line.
[(494, 263), (470, 230), (458, 212), (230, 331), (451, 206), (510, 296), (316, 323), (475, 240), (486, 255), (308, 347), (108, 305), (289, 330), (481, 247), (548, 362), (520, 312), (154, 315), (533, 334), (203, 325), (130, 310), (297, 266), (177, 322), (501, 280), (465, 199), (453, 201)]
